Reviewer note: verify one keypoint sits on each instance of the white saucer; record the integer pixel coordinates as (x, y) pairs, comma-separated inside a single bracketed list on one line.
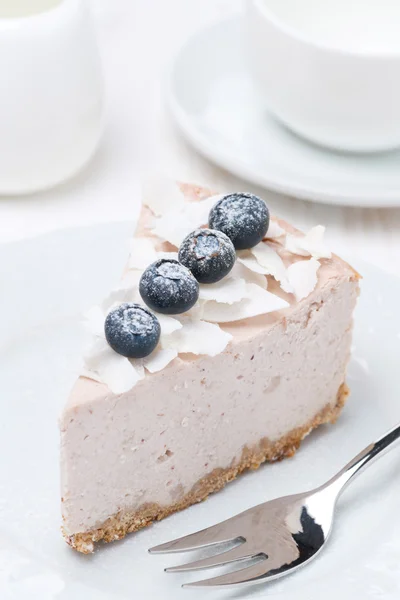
[(40, 348), (213, 100)]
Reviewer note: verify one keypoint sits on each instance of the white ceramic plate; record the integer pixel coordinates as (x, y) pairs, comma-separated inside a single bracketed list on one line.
[(45, 284), (212, 98)]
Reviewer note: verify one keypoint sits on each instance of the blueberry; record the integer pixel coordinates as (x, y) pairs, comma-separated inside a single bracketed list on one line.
[(208, 253), (244, 218), (132, 330), (168, 287)]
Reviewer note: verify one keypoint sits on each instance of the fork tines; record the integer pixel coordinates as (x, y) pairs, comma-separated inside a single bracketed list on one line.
[(215, 536)]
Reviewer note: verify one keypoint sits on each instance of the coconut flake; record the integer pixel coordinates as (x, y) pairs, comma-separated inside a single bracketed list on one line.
[(303, 277), (178, 221), (142, 253), (94, 321), (128, 291), (240, 270), (173, 227), (119, 375), (274, 230), (195, 312), (228, 290), (162, 194), (168, 324), (95, 353), (257, 302), (159, 359), (84, 372), (311, 244), (197, 213), (271, 262), (111, 368), (246, 258), (198, 337)]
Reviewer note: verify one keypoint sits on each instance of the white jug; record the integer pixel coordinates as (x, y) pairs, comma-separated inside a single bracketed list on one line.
[(51, 93)]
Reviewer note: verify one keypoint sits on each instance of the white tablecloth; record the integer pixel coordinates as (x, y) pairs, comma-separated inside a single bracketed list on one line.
[(138, 39)]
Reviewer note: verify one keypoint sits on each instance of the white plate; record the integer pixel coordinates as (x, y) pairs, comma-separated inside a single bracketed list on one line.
[(45, 284), (212, 98)]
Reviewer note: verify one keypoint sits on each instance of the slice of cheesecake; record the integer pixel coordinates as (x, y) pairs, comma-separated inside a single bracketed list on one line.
[(240, 379)]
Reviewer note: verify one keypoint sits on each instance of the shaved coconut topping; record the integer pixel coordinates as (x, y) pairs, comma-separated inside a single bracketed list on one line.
[(173, 227), (228, 290), (274, 230), (240, 270), (198, 337), (271, 263), (168, 324), (127, 292), (257, 302), (311, 244), (246, 258), (120, 375), (303, 277), (94, 321), (240, 295), (159, 359), (197, 212), (177, 220), (116, 371)]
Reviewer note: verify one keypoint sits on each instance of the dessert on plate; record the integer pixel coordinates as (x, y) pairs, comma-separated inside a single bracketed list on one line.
[(225, 344)]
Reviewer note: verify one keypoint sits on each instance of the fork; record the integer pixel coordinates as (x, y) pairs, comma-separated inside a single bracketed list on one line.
[(281, 535)]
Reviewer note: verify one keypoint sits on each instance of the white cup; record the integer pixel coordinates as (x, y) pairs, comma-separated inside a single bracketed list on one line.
[(330, 69), (51, 93)]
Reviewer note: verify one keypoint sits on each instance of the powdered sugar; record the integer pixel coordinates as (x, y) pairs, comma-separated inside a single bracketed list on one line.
[(208, 253), (171, 270), (244, 218), (168, 287), (131, 320)]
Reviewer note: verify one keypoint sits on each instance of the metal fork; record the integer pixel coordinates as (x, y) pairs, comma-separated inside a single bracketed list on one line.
[(281, 535)]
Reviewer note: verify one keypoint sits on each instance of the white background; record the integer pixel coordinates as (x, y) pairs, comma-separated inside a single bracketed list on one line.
[(138, 39)]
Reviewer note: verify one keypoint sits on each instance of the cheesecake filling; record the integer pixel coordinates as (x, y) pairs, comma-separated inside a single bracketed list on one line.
[(137, 444)]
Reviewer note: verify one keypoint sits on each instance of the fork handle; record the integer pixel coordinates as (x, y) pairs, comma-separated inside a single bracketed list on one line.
[(365, 458)]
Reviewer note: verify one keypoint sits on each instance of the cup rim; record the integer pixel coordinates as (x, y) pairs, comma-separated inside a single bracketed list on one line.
[(53, 12), (268, 14)]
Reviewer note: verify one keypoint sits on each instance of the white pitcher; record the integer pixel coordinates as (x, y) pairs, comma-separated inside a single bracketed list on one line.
[(51, 93)]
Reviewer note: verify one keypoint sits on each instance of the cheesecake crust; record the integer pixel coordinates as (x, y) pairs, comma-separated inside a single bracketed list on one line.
[(124, 522)]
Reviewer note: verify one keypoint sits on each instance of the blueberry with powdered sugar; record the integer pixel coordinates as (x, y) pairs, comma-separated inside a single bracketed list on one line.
[(168, 287), (208, 253), (244, 218), (132, 330)]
